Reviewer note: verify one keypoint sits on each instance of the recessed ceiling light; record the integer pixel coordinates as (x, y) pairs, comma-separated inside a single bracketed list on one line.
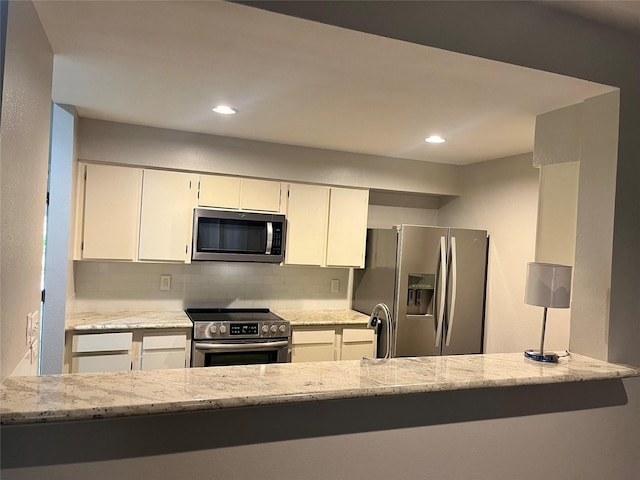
[(225, 110), (435, 139)]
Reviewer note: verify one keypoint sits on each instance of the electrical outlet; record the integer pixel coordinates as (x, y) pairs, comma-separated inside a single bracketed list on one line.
[(335, 286), (165, 282), (33, 327), (29, 330)]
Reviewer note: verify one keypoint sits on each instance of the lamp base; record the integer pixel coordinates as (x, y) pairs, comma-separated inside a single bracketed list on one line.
[(541, 357)]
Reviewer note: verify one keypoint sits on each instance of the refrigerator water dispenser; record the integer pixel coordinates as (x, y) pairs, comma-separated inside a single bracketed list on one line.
[(420, 293)]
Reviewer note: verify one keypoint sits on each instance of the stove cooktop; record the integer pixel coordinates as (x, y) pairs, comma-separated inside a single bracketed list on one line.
[(231, 315)]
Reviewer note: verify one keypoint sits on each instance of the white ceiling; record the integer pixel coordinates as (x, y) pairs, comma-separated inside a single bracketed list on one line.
[(165, 64)]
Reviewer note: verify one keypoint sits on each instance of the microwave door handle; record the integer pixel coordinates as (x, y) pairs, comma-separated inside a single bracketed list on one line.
[(225, 347), (269, 238)]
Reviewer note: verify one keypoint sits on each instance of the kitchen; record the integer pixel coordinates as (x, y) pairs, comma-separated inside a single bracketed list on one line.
[(155, 282), (126, 144)]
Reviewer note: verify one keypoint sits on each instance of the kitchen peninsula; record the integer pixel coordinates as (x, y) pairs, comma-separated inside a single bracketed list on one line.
[(55, 398)]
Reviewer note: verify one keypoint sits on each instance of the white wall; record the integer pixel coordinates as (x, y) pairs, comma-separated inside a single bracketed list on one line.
[(57, 262), (104, 286), (24, 131), (501, 196), (592, 272), (557, 213), (111, 142), (384, 216)]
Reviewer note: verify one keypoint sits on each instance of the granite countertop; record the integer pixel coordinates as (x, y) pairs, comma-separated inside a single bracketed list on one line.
[(104, 321), (53, 398), (323, 317)]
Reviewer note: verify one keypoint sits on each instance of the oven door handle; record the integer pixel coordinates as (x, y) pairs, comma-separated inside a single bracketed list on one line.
[(225, 347)]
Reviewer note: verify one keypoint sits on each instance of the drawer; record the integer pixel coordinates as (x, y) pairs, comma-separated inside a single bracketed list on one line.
[(157, 360), (356, 351), (164, 341), (313, 353), (357, 335), (301, 337), (102, 342), (101, 363)]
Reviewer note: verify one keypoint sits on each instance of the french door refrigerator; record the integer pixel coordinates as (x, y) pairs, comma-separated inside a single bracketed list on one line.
[(433, 280)]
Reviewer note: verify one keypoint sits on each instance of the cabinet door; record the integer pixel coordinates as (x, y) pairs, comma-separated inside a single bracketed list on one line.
[(306, 224), (347, 230), (111, 212), (357, 343), (313, 353), (263, 195), (168, 199), (101, 363), (102, 342), (219, 191), (157, 360), (313, 345)]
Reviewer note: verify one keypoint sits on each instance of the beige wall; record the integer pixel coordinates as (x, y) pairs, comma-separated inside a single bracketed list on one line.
[(501, 196), (26, 106)]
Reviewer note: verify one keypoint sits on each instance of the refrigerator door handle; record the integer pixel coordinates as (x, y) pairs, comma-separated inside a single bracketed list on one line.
[(441, 284), (454, 285)]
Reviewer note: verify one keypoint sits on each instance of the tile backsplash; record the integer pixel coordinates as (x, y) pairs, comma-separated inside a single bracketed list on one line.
[(101, 286)]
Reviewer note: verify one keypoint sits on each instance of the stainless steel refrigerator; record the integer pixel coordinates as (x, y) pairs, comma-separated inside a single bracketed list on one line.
[(433, 279)]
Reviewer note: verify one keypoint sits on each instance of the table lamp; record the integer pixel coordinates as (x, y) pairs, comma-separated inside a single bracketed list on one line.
[(548, 286)]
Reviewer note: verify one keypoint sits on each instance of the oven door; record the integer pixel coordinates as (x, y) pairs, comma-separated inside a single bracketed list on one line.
[(206, 353)]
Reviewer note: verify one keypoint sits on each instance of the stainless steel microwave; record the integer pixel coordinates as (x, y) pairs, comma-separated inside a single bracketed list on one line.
[(233, 236)]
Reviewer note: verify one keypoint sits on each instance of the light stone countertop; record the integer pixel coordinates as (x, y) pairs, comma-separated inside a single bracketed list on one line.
[(25, 400), (323, 317), (104, 321)]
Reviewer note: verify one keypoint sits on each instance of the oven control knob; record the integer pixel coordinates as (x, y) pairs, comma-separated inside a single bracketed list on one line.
[(274, 329), (265, 328), (223, 329), (213, 329), (282, 328)]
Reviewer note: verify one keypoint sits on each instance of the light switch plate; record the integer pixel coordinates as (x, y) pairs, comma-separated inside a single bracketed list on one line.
[(335, 286), (165, 282)]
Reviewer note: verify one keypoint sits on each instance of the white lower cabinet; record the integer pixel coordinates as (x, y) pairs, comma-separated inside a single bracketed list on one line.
[(327, 343), (101, 352), (357, 343), (163, 351), (101, 363), (139, 349), (157, 360), (313, 345)]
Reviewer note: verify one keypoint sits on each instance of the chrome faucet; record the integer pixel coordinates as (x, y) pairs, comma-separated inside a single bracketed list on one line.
[(374, 320)]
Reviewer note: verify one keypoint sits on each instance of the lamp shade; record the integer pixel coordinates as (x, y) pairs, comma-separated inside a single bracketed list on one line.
[(548, 285)]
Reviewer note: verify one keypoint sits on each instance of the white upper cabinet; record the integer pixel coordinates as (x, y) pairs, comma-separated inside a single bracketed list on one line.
[(307, 212), (219, 191), (239, 193), (168, 199), (260, 195), (127, 213), (326, 226), (347, 230), (111, 212)]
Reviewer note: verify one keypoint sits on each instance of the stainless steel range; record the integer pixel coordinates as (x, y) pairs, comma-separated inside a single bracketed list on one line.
[(238, 336)]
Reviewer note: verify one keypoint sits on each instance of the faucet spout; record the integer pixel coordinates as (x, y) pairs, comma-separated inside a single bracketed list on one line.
[(375, 321)]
